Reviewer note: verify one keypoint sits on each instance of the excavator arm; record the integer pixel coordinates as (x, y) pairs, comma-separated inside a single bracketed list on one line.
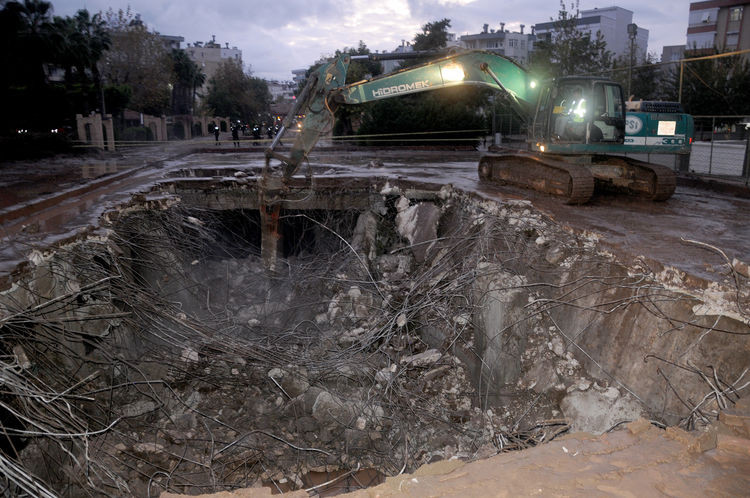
[(326, 90)]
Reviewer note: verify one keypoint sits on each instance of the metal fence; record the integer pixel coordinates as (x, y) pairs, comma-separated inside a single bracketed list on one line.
[(721, 147)]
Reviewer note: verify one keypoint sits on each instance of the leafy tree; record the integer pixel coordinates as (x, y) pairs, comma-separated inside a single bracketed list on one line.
[(439, 113), (36, 46), (79, 43), (188, 78), (25, 93), (433, 38), (360, 69), (714, 86), (570, 51), (645, 79), (117, 98), (31, 25), (137, 58), (234, 93)]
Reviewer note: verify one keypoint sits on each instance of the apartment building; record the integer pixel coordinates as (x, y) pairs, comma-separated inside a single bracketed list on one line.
[(612, 23), (209, 55), (515, 45), (718, 24)]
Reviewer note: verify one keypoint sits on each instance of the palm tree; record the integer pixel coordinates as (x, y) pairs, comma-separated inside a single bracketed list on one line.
[(95, 41), (188, 78), (33, 38)]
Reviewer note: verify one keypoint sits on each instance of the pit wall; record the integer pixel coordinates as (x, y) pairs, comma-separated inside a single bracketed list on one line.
[(557, 315), (550, 311), (537, 308), (62, 305)]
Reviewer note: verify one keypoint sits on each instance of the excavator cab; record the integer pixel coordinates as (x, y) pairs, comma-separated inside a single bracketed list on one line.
[(580, 111)]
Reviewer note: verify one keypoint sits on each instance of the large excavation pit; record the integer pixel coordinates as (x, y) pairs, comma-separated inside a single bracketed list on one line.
[(225, 331)]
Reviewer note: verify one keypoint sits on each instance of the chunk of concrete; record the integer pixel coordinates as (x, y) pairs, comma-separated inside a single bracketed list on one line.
[(418, 224), (596, 412), (138, 408), (500, 320), (423, 359), (293, 380), (329, 408), (541, 377), (365, 234)]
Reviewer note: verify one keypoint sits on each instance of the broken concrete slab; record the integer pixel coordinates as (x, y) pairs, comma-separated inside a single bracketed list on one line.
[(597, 411)]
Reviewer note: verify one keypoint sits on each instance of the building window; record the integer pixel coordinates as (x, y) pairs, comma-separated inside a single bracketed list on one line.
[(512, 43), (732, 39), (735, 14)]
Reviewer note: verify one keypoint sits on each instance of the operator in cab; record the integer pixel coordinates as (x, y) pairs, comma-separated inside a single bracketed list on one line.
[(571, 121)]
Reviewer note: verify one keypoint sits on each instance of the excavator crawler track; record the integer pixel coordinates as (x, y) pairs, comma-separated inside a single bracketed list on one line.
[(648, 180), (573, 182)]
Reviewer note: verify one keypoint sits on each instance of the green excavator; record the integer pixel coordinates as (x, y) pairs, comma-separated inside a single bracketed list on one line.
[(578, 129)]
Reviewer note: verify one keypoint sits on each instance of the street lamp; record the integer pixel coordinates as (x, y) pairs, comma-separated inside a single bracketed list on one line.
[(632, 32)]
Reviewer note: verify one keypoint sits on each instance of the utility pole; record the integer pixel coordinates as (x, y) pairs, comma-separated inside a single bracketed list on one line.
[(632, 32)]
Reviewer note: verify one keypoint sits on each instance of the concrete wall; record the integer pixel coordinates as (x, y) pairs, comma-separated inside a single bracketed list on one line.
[(96, 130)]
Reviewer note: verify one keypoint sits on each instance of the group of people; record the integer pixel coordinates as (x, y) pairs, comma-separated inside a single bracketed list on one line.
[(235, 129)]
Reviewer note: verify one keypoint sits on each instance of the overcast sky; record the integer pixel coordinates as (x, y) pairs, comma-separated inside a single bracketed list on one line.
[(276, 36)]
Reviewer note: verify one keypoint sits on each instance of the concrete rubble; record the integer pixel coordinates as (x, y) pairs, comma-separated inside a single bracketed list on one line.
[(448, 330)]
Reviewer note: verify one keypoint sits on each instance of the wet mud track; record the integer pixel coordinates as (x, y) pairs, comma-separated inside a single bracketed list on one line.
[(660, 232), (657, 231)]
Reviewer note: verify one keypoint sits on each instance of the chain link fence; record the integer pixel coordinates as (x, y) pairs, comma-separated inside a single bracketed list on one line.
[(721, 147)]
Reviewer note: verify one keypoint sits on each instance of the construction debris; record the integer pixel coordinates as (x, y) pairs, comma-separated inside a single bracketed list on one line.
[(166, 356)]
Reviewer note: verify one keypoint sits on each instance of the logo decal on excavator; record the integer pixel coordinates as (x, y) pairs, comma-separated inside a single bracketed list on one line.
[(387, 91), (633, 125)]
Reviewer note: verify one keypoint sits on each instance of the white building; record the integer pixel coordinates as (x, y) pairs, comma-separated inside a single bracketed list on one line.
[(515, 45), (281, 90), (405, 47), (298, 75), (612, 23), (390, 66), (171, 42), (209, 55)]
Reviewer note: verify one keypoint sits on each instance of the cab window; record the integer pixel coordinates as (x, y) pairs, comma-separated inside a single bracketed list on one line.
[(608, 113)]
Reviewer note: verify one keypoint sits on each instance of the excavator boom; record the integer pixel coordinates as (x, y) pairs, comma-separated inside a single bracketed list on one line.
[(576, 124), (326, 90)]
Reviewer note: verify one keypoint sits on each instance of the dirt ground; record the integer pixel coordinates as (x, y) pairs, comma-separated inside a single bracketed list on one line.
[(637, 460)]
